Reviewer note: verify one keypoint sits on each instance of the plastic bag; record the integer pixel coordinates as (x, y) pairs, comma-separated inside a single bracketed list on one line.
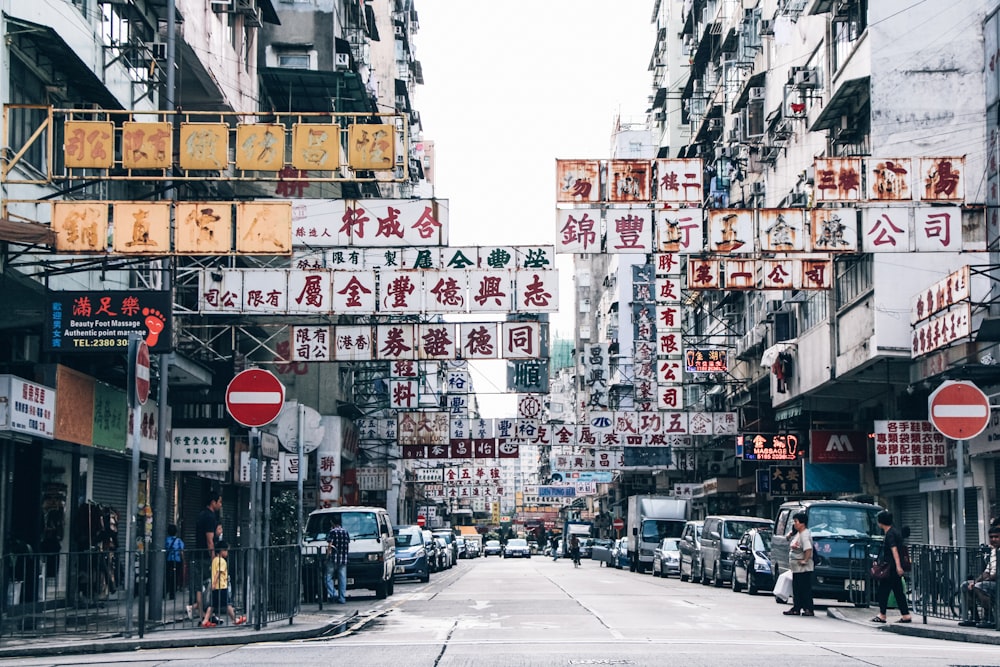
[(783, 587)]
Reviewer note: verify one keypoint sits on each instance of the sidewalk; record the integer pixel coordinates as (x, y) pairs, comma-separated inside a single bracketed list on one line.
[(935, 628), (309, 623)]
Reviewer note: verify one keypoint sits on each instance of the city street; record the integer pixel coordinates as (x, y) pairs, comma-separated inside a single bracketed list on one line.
[(538, 612)]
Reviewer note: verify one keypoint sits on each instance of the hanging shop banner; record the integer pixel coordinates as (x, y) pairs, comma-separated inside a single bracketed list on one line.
[(768, 447), (323, 292), (941, 330), (370, 222), (838, 446), (908, 444), (104, 321), (27, 407), (949, 291), (706, 361), (784, 480), (200, 449)]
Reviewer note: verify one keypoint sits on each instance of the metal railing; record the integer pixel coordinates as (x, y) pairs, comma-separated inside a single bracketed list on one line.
[(85, 592), (935, 590)]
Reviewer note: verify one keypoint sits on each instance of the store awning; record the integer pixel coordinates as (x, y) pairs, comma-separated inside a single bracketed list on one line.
[(303, 90), (849, 96)]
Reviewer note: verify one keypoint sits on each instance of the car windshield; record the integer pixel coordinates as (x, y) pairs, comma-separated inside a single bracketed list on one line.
[(762, 541), (735, 529), (654, 530), (407, 538), (670, 544), (359, 525), (493, 543), (844, 522), (517, 543)]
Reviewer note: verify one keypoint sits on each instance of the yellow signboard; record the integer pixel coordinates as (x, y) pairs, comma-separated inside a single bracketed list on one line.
[(141, 228), (80, 226), (371, 147), (315, 146), (204, 146), (89, 144), (260, 147), (203, 228), (147, 146), (264, 228)]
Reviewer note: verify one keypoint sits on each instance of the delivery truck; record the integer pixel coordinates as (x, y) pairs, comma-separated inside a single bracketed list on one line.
[(650, 519)]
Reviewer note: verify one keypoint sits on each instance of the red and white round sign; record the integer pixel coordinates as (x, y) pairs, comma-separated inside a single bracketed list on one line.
[(142, 373), (959, 410), (421, 520), (617, 524), (255, 397)]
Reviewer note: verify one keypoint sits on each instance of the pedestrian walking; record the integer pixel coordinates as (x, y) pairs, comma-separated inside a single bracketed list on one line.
[(574, 550), (891, 555), (199, 565), (800, 563), (338, 546), (220, 589), (174, 547), (554, 545)]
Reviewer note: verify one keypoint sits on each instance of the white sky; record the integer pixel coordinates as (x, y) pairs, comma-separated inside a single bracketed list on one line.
[(509, 87)]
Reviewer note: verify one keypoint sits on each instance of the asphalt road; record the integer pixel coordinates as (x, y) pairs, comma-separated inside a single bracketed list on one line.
[(490, 612)]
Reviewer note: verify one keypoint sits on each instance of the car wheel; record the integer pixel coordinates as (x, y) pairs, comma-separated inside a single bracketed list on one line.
[(734, 584), (382, 590), (391, 586), (704, 576), (427, 577), (751, 586), (717, 579), (680, 573)]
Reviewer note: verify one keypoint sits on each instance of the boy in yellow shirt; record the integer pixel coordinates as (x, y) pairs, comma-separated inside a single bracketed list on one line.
[(220, 587)]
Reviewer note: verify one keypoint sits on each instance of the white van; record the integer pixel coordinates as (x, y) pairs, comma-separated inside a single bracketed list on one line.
[(372, 558)]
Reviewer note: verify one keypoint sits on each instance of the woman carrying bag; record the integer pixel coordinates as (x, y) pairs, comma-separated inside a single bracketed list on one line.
[(890, 561)]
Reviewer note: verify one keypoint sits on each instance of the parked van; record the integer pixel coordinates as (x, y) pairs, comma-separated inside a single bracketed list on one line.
[(719, 536), (841, 531), (371, 560), (690, 548)]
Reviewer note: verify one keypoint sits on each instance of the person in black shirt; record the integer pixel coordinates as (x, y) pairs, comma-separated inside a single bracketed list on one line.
[(201, 558), (891, 546)]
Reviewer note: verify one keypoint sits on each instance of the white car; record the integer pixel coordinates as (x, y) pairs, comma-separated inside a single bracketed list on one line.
[(492, 548), (517, 548)]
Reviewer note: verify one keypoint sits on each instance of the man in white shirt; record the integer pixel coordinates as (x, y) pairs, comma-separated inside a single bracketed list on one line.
[(983, 588)]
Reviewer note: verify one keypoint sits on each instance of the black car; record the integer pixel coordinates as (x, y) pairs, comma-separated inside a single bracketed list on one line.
[(752, 562)]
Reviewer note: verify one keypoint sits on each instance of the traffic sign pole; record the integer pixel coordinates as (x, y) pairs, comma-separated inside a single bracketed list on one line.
[(960, 411)]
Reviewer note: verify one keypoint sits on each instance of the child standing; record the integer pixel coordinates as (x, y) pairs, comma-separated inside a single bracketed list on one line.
[(175, 561), (220, 588)]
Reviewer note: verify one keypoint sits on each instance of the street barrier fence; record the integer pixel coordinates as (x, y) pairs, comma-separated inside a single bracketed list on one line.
[(85, 592)]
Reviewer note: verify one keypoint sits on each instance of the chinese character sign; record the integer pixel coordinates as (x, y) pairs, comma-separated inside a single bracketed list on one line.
[(908, 444)]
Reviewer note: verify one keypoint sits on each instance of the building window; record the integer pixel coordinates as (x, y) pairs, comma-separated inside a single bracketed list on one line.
[(814, 310), (850, 22), (854, 279), (26, 88), (294, 60)]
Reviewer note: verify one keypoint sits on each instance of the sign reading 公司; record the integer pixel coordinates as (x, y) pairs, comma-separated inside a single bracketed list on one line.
[(104, 321), (908, 444)]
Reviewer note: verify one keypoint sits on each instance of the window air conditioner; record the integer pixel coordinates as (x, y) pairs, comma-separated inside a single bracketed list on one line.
[(343, 60), (158, 50), (756, 93), (806, 78)]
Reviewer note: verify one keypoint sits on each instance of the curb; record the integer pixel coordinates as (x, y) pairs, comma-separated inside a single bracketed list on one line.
[(119, 645), (921, 630)]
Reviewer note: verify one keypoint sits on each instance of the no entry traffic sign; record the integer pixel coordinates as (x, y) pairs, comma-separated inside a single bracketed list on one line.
[(617, 524), (959, 409), (254, 397), (142, 373)]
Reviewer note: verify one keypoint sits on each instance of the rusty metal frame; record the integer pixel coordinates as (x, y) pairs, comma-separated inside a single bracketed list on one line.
[(344, 174)]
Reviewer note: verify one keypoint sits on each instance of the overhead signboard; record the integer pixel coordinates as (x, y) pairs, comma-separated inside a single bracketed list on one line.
[(768, 447), (908, 443), (838, 446), (706, 361), (103, 321)]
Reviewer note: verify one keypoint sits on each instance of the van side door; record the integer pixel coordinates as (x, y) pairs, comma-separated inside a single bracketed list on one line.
[(779, 541)]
